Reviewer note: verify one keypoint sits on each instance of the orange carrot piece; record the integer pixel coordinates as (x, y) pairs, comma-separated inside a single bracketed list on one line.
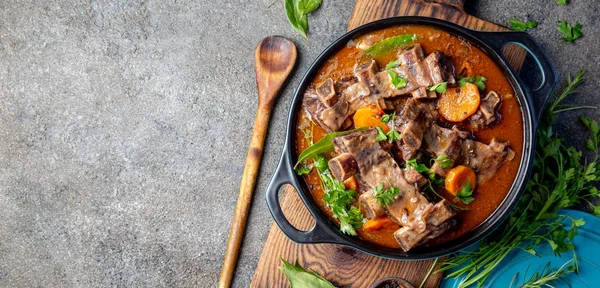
[(370, 116), (351, 184), (458, 177), (457, 104), (378, 224)]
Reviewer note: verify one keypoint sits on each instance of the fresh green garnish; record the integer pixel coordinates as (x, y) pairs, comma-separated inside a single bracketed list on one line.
[(397, 80), (380, 134), (393, 135), (385, 196), (560, 179), (519, 25), (571, 33), (390, 43), (477, 80), (561, 2), (339, 199), (439, 88), (393, 64), (444, 161), (299, 277), (548, 276), (323, 146), (297, 11), (303, 169), (387, 117), (465, 194), (421, 168)]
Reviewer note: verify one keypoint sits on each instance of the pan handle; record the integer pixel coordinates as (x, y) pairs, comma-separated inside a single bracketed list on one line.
[(285, 174), (540, 95)]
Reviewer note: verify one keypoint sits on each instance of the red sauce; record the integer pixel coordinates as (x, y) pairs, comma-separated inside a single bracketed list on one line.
[(488, 195)]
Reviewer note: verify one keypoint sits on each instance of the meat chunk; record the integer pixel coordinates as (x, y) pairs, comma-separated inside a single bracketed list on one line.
[(485, 159), (440, 69), (326, 93), (415, 178), (343, 166), (487, 112), (437, 222), (442, 140), (370, 206)]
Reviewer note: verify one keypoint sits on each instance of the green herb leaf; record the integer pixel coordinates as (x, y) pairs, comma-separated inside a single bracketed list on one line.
[(387, 117), (385, 196), (477, 80), (303, 169), (389, 44), (397, 80), (519, 25), (323, 146), (439, 88), (571, 33), (296, 12), (299, 277), (393, 64), (444, 161), (380, 135), (339, 200), (561, 2), (464, 195), (393, 135)]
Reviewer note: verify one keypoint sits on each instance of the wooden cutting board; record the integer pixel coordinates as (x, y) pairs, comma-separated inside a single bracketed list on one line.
[(346, 267)]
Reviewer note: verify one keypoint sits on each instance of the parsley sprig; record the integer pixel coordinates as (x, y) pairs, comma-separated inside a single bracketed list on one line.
[(477, 80), (465, 194), (444, 161), (339, 199), (391, 135), (397, 80), (385, 196), (560, 179), (519, 25), (439, 88), (571, 33)]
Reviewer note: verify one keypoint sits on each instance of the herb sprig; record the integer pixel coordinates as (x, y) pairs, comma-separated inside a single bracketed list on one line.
[(339, 199), (444, 161), (389, 44), (385, 196), (300, 277), (547, 276), (477, 80), (519, 25), (439, 88), (560, 179), (571, 33), (397, 80), (465, 194)]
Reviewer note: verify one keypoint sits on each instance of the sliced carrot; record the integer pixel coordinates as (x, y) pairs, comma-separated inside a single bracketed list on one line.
[(457, 104), (458, 177), (378, 224), (370, 116), (351, 184)]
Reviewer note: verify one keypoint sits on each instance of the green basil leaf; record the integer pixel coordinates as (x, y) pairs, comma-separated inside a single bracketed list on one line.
[(294, 17), (307, 6), (299, 277), (390, 43), (323, 146)]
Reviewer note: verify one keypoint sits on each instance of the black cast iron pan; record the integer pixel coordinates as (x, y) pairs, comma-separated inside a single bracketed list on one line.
[(532, 102)]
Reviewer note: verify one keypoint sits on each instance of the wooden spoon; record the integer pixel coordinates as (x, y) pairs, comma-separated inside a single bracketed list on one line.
[(274, 60)]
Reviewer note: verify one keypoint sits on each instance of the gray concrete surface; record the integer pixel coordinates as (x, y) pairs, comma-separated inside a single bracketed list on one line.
[(124, 127)]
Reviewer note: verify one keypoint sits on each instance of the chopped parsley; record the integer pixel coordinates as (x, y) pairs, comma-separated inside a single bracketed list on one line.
[(380, 134), (385, 196), (571, 33), (465, 194), (444, 161), (477, 80), (439, 88), (387, 117), (519, 25)]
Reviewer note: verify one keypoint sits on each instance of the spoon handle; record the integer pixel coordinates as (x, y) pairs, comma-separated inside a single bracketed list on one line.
[(242, 207)]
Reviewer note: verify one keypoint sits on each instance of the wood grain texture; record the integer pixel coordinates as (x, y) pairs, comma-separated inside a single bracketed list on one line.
[(345, 267), (274, 60)]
